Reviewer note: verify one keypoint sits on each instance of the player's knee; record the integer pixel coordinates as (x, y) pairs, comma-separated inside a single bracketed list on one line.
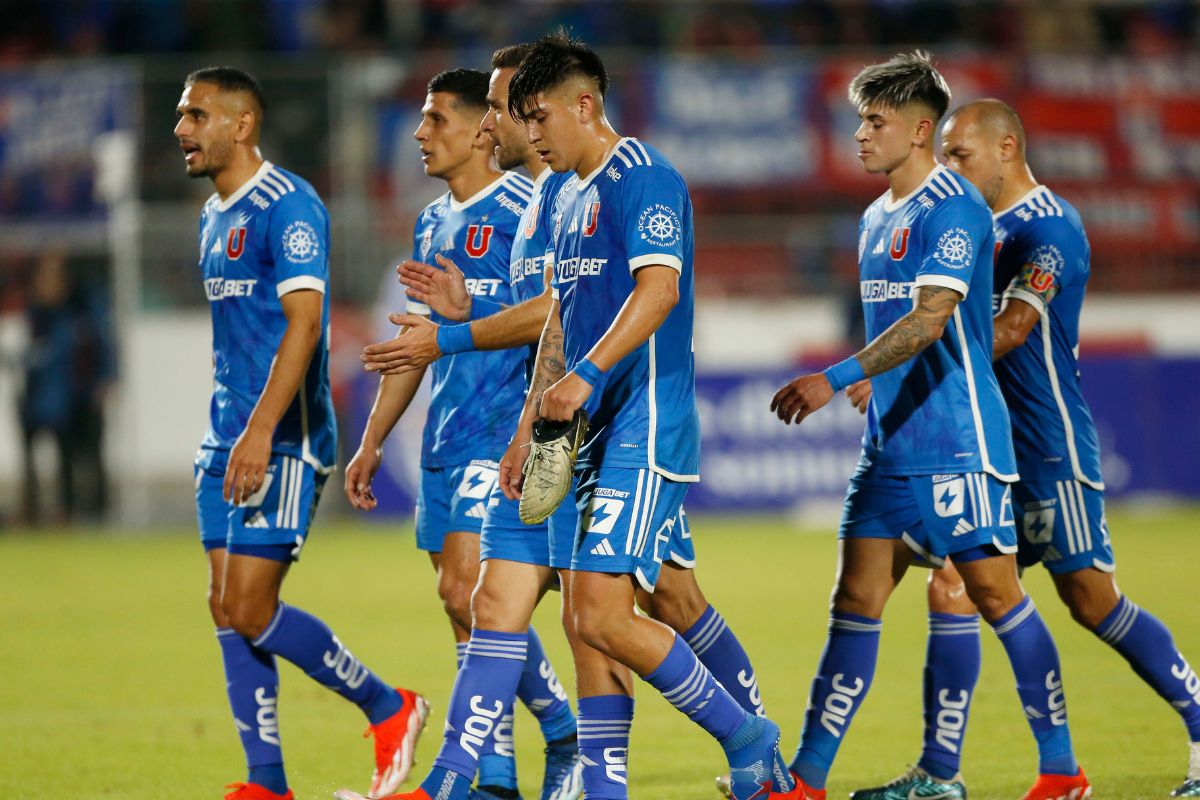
[(215, 608), (246, 617), (1089, 604), (595, 626), (859, 597), (456, 600), (676, 603), (948, 595), (490, 608)]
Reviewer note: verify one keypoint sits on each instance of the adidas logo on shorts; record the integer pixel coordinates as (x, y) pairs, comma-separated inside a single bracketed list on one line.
[(603, 549)]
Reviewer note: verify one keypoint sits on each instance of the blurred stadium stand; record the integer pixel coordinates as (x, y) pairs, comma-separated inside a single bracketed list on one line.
[(748, 98)]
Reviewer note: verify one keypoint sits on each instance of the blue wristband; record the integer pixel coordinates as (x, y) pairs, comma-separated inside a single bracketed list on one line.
[(453, 339), (844, 373), (482, 307), (589, 372)]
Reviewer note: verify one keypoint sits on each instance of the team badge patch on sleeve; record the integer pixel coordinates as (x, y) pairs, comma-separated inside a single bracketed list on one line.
[(954, 249), (300, 242), (659, 224)]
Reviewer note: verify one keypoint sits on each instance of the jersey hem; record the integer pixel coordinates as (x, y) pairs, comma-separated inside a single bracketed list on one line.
[(656, 259), (945, 281), (1026, 297)]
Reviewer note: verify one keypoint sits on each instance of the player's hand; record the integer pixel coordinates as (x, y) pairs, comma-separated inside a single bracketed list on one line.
[(801, 397), (247, 465), (859, 394), (443, 290), (413, 349), (512, 465), (564, 398), (359, 474)]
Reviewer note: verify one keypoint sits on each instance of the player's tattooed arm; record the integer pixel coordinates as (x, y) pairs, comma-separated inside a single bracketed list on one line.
[(551, 363), (548, 368), (912, 333)]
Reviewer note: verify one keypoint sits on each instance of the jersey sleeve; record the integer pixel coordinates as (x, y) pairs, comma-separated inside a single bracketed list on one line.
[(953, 235), (655, 208), (298, 237), (1052, 255)]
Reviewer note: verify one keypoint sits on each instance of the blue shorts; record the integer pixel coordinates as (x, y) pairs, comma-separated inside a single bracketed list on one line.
[(630, 520), (935, 515), (1063, 526), (453, 500), (548, 544), (272, 523)]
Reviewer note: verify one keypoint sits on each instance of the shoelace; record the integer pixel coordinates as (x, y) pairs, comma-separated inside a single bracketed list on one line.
[(913, 772)]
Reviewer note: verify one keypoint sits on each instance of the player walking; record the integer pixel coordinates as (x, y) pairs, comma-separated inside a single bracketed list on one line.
[(603, 685), (933, 478), (621, 323), (1041, 274), (475, 398), (264, 255)]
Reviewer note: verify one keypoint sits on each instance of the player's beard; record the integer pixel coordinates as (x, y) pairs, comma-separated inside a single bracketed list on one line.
[(509, 157), (215, 157)]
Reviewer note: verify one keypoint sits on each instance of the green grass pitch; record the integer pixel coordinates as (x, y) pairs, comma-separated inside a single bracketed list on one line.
[(112, 684)]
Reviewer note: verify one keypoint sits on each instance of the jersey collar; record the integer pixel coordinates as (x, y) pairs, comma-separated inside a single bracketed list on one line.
[(1026, 198), (245, 188), (891, 205), (482, 193), (585, 182)]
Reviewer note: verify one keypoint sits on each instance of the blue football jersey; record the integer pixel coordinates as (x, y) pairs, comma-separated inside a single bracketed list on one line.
[(526, 272), (477, 396), (268, 238), (633, 211), (941, 411), (1043, 256)]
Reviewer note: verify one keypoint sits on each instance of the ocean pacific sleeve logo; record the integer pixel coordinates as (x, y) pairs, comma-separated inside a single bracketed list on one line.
[(1042, 272), (659, 225), (300, 242), (954, 249)]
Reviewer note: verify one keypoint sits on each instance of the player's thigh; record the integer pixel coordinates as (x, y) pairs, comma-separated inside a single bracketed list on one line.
[(507, 593), (1062, 525), (452, 499), (273, 523), (628, 518), (504, 536), (968, 516)]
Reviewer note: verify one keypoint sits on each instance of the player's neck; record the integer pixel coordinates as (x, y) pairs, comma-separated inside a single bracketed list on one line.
[(598, 148), (535, 166), (905, 178), (1017, 183), (241, 168), (470, 182)]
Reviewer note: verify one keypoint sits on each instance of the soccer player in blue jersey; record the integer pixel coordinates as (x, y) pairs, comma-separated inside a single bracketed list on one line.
[(933, 479), (509, 544), (476, 396), (264, 257), (1041, 274), (618, 342)]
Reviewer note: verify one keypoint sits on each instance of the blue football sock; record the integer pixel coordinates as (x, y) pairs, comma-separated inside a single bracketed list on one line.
[(1148, 647), (686, 684), (460, 654), (252, 683), (843, 677), (542, 693), (952, 661), (604, 724), (308, 643), (1035, 664), (721, 652), (270, 777), (478, 734), (445, 783)]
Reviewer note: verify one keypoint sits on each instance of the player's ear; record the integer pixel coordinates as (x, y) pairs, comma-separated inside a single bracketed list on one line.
[(588, 108), (1008, 147), (923, 134), (247, 128)]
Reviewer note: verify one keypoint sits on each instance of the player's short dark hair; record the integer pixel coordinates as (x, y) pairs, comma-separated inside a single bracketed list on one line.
[(510, 57), (230, 79), (903, 79), (470, 86), (551, 60)]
